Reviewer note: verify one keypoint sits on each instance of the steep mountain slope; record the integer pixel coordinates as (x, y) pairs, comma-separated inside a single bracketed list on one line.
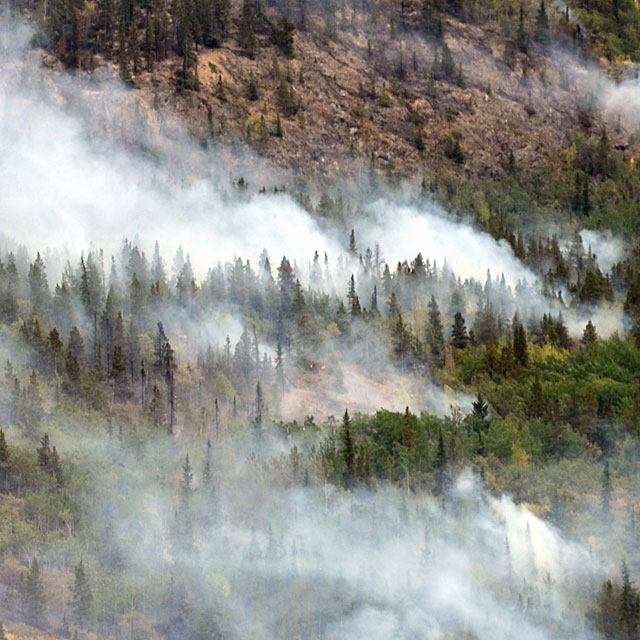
[(355, 95), (344, 119)]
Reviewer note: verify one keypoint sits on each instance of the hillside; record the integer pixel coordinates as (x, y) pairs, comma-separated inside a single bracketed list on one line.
[(400, 400), (352, 94), (343, 120)]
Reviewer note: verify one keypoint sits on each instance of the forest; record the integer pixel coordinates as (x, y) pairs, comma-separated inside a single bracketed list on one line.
[(172, 478), (242, 402)]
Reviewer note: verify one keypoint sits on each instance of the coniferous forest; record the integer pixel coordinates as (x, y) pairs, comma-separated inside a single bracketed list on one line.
[(242, 402)]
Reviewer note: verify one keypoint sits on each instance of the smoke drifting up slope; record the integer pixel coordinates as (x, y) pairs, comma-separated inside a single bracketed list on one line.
[(83, 165), (65, 184), (273, 560), (278, 562)]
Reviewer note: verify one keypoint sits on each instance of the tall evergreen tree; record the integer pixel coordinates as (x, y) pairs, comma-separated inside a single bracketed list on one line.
[(39, 289), (56, 468), (355, 310), (519, 342), (258, 419), (435, 337), (441, 467), (348, 452), (4, 449), (157, 413), (459, 335), (34, 595), (81, 597), (280, 377), (522, 37), (542, 33), (5, 459), (606, 490), (589, 335)]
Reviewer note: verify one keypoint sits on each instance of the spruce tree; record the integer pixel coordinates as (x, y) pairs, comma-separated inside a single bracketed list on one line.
[(280, 377), (123, 67), (253, 92), (221, 93), (585, 204), (589, 335), (459, 334), (157, 413), (355, 310), (435, 337), (348, 452), (542, 34), (536, 402), (44, 454), (39, 289), (606, 490), (402, 340), (34, 595), (478, 420), (207, 474), (278, 131), (519, 342), (5, 458), (56, 468), (576, 199), (258, 418), (149, 42), (4, 449), (353, 248), (522, 37), (81, 597), (441, 467), (447, 64), (453, 148), (629, 606)]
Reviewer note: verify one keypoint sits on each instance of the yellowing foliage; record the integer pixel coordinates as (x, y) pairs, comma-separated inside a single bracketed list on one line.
[(570, 156), (480, 206), (542, 353), (518, 455)]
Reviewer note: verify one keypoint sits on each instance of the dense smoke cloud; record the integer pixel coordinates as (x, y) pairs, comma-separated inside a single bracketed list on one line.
[(608, 248), (622, 99), (406, 231), (67, 185), (274, 556), (366, 565)]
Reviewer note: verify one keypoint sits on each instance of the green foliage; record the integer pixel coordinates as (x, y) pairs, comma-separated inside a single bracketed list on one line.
[(221, 92), (459, 334), (542, 33), (547, 412), (253, 91), (613, 27), (81, 596), (385, 98), (617, 614), (522, 38), (435, 336), (453, 148), (347, 447), (286, 99), (282, 36), (33, 593)]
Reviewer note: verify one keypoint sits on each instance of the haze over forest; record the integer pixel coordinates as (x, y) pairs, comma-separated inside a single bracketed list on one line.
[(319, 320)]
